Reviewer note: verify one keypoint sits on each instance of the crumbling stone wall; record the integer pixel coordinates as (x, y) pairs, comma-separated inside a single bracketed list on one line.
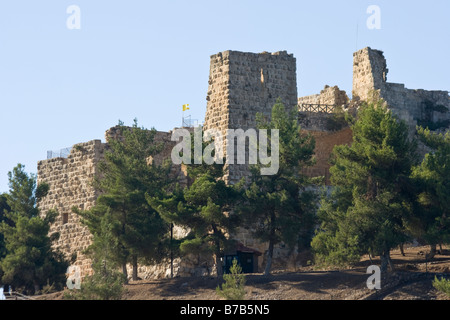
[(413, 106), (369, 73), (69, 180), (328, 96)]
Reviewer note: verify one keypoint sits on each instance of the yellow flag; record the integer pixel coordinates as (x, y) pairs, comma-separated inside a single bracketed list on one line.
[(185, 107)]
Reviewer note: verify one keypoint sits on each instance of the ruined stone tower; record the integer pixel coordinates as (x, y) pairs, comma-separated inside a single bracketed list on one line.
[(369, 72), (242, 84), (414, 106)]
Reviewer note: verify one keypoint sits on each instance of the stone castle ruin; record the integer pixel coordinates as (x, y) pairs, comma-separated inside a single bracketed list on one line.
[(240, 85), (414, 106)]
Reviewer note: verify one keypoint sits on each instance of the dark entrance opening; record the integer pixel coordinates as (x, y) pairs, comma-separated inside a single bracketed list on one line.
[(246, 257)]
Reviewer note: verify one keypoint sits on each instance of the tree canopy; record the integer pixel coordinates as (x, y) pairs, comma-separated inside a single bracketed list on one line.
[(28, 261), (369, 204), (279, 207), (205, 208), (125, 178), (431, 182)]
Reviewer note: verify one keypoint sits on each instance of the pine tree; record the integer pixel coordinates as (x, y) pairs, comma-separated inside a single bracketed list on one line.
[(205, 208), (442, 285), (431, 219), (106, 283), (234, 286), (368, 207), (279, 208), (125, 178), (29, 262), (4, 209)]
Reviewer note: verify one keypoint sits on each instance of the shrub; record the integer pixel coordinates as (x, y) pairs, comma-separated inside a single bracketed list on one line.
[(442, 285), (233, 287), (105, 284)]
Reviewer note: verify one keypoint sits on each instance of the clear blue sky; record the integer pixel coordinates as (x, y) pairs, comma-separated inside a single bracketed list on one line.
[(145, 59)]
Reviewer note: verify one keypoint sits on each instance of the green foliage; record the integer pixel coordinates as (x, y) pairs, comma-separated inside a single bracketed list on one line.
[(107, 282), (22, 187), (279, 207), (4, 208), (79, 147), (442, 285), (333, 245), (431, 221), (205, 207), (125, 178), (337, 120), (367, 209), (234, 286), (427, 116), (28, 260)]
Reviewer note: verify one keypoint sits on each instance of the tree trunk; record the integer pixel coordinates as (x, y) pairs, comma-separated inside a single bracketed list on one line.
[(391, 264), (125, 272), (219, 268), (269, 258), (271, 245), (36, 288), (386, 261), (432, 253), (134, 276), (171, 250), (402, 251), (124, 263)]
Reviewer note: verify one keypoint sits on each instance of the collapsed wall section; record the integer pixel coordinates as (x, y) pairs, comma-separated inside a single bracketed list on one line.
[(420, 106), (332, 96)]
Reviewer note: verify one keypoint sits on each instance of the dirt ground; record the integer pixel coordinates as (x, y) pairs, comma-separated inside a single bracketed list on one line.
[(412, 280)]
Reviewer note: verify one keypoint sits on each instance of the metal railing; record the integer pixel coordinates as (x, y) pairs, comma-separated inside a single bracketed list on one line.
[(189, 123), (63, 153)]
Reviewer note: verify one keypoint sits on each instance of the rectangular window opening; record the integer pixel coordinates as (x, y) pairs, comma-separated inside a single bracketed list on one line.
[(65, 218)]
